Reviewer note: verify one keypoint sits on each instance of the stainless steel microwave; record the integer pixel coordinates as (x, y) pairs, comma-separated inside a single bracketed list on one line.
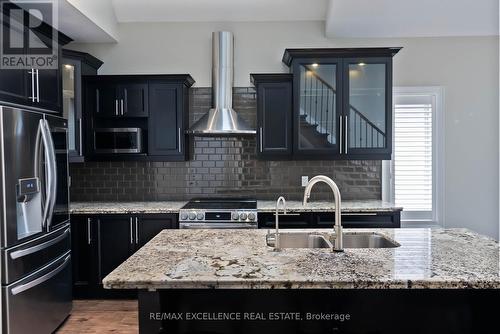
[(118, 140)]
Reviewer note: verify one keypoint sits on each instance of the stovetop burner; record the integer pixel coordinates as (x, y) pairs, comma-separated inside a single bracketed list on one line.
[(221, 204)]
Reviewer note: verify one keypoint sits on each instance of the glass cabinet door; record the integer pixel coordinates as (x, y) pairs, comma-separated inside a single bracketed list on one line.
[(318, 106), (367, 105), (71, 105)]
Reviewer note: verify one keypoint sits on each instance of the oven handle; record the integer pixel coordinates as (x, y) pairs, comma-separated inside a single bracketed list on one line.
[(216, 225)]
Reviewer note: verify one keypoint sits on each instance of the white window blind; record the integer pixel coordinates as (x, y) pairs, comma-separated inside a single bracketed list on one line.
[(413, 155)]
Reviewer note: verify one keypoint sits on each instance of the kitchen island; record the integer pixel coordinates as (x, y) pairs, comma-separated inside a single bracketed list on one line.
[(220, 270)]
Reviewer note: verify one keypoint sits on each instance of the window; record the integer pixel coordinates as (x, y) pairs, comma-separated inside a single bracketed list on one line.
[(414, 175)]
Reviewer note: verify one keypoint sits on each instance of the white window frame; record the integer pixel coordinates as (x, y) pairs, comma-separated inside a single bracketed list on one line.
[(438, 137)]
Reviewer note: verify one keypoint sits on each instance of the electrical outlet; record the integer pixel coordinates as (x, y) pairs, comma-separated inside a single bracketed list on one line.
[(305, 180)]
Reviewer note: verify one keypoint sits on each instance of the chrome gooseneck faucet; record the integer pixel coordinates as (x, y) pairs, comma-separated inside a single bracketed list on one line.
[(338, 247), (281, 199)]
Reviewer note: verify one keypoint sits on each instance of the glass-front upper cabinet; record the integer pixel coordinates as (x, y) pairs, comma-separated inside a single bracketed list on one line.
[(342, 102), (74, 66), (71, 105), (317, 106), (367, 105)]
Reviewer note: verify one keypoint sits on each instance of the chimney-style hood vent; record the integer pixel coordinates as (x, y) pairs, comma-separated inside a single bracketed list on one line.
[(221, 120)]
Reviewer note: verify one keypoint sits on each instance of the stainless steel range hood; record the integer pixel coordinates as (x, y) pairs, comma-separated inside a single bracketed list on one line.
[(222, 119)]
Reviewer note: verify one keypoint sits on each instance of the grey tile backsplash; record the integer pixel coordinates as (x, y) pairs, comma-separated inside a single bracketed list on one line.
[(220, 166)]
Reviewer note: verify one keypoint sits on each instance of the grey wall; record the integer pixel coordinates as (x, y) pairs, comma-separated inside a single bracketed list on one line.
[(467, 67), (220, 167)]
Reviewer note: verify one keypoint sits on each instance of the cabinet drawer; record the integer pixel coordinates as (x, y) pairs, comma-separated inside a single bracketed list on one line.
[(298, 220)]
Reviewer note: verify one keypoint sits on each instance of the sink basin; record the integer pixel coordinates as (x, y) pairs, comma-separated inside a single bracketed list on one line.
[(368, 240), (299, 240), (311, 240)]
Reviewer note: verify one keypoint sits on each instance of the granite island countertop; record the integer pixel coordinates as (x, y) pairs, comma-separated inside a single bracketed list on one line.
[(427, 258), (262, 206)]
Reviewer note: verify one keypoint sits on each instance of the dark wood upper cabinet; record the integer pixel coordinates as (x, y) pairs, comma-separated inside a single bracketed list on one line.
[(107, 103), (274, 114), (74, 65), (155, 104), (117, 99), (165, 122), (341, 105), (36, 88), (135, 100)]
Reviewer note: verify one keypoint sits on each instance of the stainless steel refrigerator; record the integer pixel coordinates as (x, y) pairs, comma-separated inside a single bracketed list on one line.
[(35, 232)]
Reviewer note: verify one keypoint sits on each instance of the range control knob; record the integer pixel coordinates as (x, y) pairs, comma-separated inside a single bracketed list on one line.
[(184, 216), (234, 216), (200, 216), (243, 216), (192, 216), (251, 216)]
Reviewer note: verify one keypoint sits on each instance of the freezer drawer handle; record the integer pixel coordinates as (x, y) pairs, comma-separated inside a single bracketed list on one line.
[(40, 280), (37, 248)]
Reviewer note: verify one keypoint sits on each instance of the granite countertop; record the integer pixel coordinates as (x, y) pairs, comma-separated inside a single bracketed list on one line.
[(125, 207), (427, 258), (319, 206), (263, 206)]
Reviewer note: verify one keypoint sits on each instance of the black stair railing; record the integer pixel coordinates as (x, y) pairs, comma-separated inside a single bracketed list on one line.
[(318, 110)]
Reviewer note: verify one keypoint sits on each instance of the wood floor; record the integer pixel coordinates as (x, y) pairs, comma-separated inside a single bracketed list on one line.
[(101, 317)]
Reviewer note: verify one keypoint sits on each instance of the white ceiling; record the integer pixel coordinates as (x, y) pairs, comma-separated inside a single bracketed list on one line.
[(90, 21), (412, 18), (218, 10)]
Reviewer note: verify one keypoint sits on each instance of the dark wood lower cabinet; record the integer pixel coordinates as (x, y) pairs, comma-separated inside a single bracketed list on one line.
[(381, 219), (148, 226), (83, 255), (100, 243)]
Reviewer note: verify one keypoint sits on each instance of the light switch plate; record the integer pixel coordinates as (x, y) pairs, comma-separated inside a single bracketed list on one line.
[(305, 180)]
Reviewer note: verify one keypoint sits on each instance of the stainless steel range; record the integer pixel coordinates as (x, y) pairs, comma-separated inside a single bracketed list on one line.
[(219, 213)]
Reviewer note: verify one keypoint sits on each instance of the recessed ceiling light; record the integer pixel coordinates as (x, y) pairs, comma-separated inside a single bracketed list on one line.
[(315, 65), (361, 64)]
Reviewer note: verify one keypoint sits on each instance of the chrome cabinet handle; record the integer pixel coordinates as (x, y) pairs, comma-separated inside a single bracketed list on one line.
[(260, 138), (131, 232), (179, 133), (80, 135), (37, 87), (345, 141), (136, 231), (116, 107), (41, 279), (89, 236), (341, 124), (121, 107), (32, 97)]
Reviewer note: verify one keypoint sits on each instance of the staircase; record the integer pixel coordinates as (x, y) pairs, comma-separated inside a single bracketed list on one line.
[(317, 123)]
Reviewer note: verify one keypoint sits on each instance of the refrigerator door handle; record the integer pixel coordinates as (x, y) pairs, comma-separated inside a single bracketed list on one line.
[(52, 182), (41, 279), (37, 248), (48, 172), (54, 173)]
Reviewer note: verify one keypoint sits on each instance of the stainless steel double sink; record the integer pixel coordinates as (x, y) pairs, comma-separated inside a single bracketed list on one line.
[(316, 240)]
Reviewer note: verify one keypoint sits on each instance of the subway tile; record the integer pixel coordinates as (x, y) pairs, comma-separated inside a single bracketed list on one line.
[(220, 166)]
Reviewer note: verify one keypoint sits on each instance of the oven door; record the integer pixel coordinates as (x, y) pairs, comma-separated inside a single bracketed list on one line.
[(217, 225)]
